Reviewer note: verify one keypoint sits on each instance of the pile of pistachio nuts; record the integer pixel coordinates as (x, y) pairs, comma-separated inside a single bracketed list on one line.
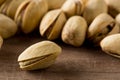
[(74, 21)]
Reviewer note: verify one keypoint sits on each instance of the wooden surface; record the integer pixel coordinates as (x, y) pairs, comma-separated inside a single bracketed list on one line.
[(83, 63)]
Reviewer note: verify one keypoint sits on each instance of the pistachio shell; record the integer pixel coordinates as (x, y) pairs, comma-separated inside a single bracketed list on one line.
[(39, 56), (118, 19), (94, 8), (113, 7), (52, 24), (8, 27), (102, 26), (4, 6), (74, 31), (12, 8), (72, 7), (55, 4), (1, 41), (29, 14), (111, 45)]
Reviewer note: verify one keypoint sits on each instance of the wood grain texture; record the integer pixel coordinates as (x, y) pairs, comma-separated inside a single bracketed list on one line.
[(83, 63)]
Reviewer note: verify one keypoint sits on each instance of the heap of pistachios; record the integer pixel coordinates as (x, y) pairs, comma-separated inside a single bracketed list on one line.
[(74, 21)]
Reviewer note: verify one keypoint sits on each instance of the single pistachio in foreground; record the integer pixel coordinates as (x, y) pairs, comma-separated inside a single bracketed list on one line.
[(73, 7), (40, 55), (113, 7), (111, 45), (8, 27), (29, 14), (52, 24), (9, 7), (102, 26), (93, 8), (74, 31)]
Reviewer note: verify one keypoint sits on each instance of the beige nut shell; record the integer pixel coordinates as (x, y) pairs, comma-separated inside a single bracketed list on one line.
[(74, 31), (102, 26), (39, 55), (111, 45), (93, 8), (1, 42), (52, 24), (8, 27), (118, 19), (72, 7), (12, 8), (29, 14), (113, 7), (55, 4)]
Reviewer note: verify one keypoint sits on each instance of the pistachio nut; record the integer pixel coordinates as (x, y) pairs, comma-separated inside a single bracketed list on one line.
[(102, 26), (74, 31), (72, 7), (1, 2), (94, 8), (52, 24), (111, 45), (4, 6), (29, 13), (1, 42), (40, 55), (10, 7), (55, 4), (118, 19), (8, 27), (113, 7)]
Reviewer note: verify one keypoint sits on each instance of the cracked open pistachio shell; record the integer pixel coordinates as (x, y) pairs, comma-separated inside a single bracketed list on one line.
[(1, 41), (111, 45), (8, 27), (118, 19), (94, 8), (10, 7), (55, 4), (40, 55), (102, 26), (29, 14), (113, 7), (1, 2), (52, 24), (74, 31), (72, 7)]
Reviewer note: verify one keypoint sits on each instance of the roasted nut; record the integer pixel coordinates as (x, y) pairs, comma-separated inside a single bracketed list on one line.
[(52, 24), (94, 8), (38, 56), (111, 45), (113, 7), (118, 19), (8, 27), (1, 42), (10, 7), (73, 7), (74, 31), (55, 4), (4, 6), (29, 13), (102, 26)]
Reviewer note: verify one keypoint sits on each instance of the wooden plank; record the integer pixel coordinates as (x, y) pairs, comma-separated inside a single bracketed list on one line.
[(83, 63)]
